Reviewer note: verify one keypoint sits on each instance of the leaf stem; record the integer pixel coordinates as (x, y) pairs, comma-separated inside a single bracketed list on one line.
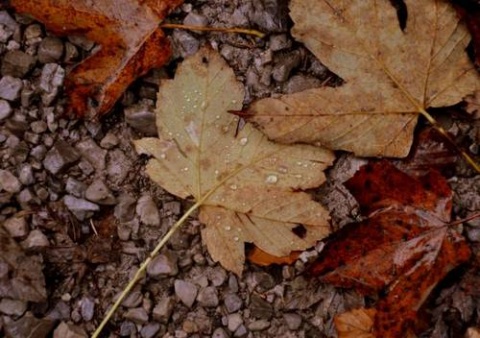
[(143, 267), (444, 133), (214, 29)]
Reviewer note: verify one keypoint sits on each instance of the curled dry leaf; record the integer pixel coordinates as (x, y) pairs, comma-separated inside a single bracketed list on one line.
[(22, 276), (249, 188), (404, 245), (391, 75), (131, 44), (262, 258)]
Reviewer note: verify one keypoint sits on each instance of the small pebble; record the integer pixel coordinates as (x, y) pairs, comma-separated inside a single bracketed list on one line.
[(137, 315), (186, 292)]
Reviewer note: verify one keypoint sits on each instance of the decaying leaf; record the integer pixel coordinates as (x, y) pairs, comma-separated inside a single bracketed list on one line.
[(404, 245), (391, 75), (131, 44), (248, 187), (21, 275), (357, 323)]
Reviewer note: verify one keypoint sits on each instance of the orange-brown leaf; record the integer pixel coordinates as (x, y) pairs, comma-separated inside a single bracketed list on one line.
[(131, 44), (259, 257), (404, 245)]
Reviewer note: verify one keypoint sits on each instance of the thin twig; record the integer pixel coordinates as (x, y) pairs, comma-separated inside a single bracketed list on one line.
[(214, 29)]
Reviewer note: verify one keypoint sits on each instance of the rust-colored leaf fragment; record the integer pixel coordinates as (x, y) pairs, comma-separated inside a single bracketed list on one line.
[(404, 246), (131, 44), (259, 257)]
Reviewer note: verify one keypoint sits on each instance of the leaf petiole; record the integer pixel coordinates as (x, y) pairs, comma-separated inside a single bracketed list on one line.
[(140, 272), (214, 29)]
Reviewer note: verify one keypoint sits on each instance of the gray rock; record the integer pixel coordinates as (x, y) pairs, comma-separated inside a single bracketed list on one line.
[(220, 333), (8, 21), (29, 326), (279, 42), (59, 157), (99, 193), (128, 329), (137, 315), (16, 63), (284, 66), (26, 197), (234, 321), (87, 308), (10, 88), (51, 78), (292, 320), (125, 209), (5, 110), (5, 34), (186, 292), (233, 302), (241, 331), (147, 210), (8, 182), (33, 31), (195, 19), (79, 207), (260, 308), (71, 53), (259, 325), (269, 16), (39, 152), (142, 119), (50, 50), (39, 127), (92, 153), (81, 41), (299, 83), (185, 44), (150, 330), (12, 307), (217, 276), (65, 330), (17, 227), (36, 240), (75, 187), (109, 141), (208, 297), (118, 167), (134, 299), (163, 265), (163, 310), (25, 174)]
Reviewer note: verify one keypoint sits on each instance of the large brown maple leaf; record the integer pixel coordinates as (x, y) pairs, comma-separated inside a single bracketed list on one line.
[(131, 44), (404, 246)]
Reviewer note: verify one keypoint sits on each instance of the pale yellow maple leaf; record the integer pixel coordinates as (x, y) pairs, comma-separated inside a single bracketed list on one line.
[(247, 187), (391, 76)]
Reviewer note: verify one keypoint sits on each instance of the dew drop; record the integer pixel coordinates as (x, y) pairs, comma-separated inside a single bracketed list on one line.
[(298, 176), (235, 239), (185, 169), (163, 156), (203, 105), (243, 141), (272, 179), (195, 106), (187, 99), (282, 169), (217, 117), (216, 172), (228, 228), (233, 187)]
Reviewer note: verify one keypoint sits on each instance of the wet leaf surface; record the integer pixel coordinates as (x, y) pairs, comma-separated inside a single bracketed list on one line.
[(131, 44), (403, 248)]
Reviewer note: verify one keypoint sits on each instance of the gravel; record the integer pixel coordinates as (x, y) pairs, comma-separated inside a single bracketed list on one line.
[(78, 213)]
